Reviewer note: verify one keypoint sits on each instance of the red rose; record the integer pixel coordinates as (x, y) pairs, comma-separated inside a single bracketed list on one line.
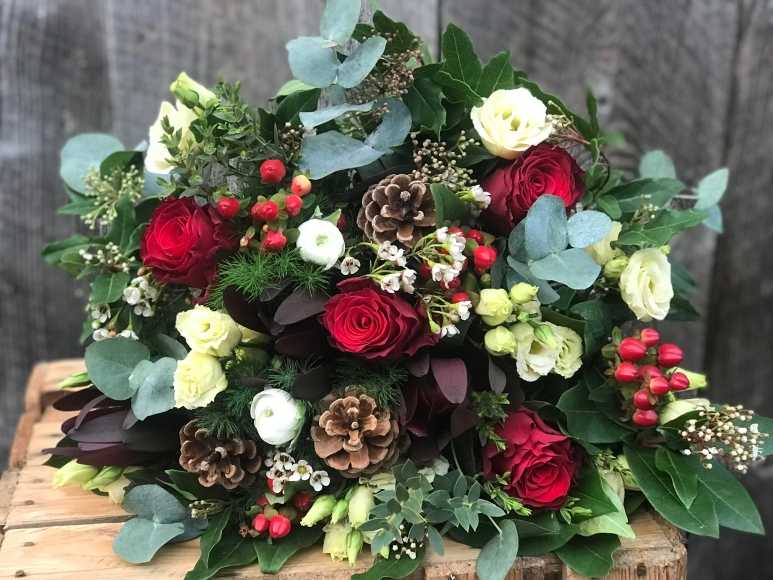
[(514, 187), (372, 323), (181, 240), (541, 461)]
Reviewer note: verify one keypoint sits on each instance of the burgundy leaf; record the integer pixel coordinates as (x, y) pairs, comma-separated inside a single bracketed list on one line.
[(87, 447), (423, 449), (101, 429), (300, 305), (451, 377), (315, 384), (116, 455), (130, 421), (254, 382), (243, 310), (65, 451), (88, 407), (410, 398), (304, 344), (463, 419), (418, 365), (274, 289), (496, 377)]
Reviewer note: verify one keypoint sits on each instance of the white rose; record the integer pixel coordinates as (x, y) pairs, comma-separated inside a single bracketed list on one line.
[(602, 252), (180, 118), (511, 121), (645, 284), (208, 332), (569, 350), (197, 380), (320, 242), (533, 358), (278, 417)]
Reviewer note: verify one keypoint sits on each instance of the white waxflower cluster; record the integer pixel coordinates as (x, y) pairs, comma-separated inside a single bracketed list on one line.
[(284, 469), (142, 294), (478, 198), (454, 243), (406, 546)]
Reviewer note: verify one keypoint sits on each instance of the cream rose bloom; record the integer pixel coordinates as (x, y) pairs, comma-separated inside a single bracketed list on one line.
[(569, 350), (511, 121), (157, 154), (208, 332), (197, 380), (602, 252), (645, 284), (533, 358)]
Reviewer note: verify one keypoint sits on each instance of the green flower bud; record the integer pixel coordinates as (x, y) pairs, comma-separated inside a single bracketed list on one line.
[(360, 505), (339, 511), (354, 541), (522, 293), (322, 508), (105, 477), (73, 473), (615, 267), (665, 250), (500, 341), (494, 306), (335, 542), (258, 356), (545, 335), (190, 93)]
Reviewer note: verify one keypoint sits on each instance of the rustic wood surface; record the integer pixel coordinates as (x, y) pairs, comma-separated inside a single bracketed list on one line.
[(43, 530), (689, 77)]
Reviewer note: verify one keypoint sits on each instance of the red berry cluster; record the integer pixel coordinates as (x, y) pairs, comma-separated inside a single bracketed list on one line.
[(279, 523), (637, 356)]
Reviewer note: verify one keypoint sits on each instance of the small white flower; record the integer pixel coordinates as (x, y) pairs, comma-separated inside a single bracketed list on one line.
[(319, 479), (686, 451), (284, 460), (268, 461), (128, 333), (444, 273), (442, 235), (277, 486), (100, 334), (407, 280), (142, 308), (754, 428), (301, 471), (391, 283), (101, 312), (151, 293), (349, 265), (463, 308), (480, 196), (448, 330), (132, 295)]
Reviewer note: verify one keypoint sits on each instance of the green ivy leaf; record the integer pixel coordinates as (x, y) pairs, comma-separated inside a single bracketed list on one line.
[(189, 483), (498, 555), (214, 533), (401, 38), (448, 207), (584, 419), (496, 75), (660, 230), (168, 347), (123, 226), (271, 557), (423, 101), (457, 91), (293, 108), (109, 287), (610, 206), (591, 495), (542, 533), (598, 324), (392, 568), (53, 252), (110, 362), (590, 556), (655, 191), (615, 522), (685, 482), (460, 58), (231, 550)]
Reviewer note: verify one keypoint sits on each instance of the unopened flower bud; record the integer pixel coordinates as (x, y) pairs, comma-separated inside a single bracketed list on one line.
[(335, 541), (697, 380), (545, 335), (361, 503), (105, 477), (522, 293), (73, 473), (279, 527), (615, 267), (190, 93), (339, 511), (321, 509), (354, 541)]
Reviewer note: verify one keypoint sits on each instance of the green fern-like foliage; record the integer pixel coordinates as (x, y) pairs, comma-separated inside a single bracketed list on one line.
[(381, 381)]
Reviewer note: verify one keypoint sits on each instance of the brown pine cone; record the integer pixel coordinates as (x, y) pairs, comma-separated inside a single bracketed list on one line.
[(355, 438), (397, 209), (229, 462)]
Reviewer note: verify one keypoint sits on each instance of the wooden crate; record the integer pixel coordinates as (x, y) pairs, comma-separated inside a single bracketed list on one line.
[(68, 533)]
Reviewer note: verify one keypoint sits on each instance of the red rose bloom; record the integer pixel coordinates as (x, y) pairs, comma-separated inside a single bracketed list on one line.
[(372, 323), (541, 461), (514, 187), (181, 240)]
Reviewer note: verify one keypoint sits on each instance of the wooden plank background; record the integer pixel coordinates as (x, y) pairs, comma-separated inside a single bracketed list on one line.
[(690, 77)]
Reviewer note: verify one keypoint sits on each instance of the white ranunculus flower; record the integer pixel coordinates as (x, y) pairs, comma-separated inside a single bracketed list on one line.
[(645, 284), (320, 242), (533, 358), (197, 380), (278, 417), (208, 332), (569, 350), (180, 118), (510, 121), (602, 252)]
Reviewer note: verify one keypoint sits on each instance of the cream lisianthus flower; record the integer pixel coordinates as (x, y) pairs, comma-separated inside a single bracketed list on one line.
[(510, 121), (602, 252), (533, 358), (208, 332), (180, 118), (645, 284), (320, 242), (335, 540), (74, 473), (569, 350), (494, 306), (197, 380)]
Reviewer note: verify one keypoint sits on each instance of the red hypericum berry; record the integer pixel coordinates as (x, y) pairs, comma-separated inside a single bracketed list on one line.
[(641, 400), (272, 171), (648, 372), (459, 297), (650, 336), (260, 523), (425, 271), (669, 355), (477, 236), (293, 205), (303, 501), (269, 211), (645, 418), (452, 285), (255, 211), (457, 231), (626, 372), (301, 185), (341, 224), (228, 207), (262, 502), (679, 381), (274, 241), (279, 527), (659, 386), (484, 257), (632, 349)]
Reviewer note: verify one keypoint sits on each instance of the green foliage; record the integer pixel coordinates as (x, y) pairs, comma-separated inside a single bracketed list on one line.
[(393, 568), (491, 408), (459, 56), (228, 416), (590, 556), (497, 74), (498, 555), (381, 381), (449, 209), (152, 384), (82, 153), (285, 371), (658, 231), (657, 164), (584, 419), (111, 362), (272, 556), (423, 100), (232, 550)]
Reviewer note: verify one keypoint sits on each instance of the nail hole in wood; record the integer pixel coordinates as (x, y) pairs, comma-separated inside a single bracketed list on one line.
[(29, 502), (641, 570), (20, 574), (28, 544)]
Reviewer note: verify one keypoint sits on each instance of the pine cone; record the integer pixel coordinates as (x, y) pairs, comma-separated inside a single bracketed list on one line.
[(397, 209), (229, 462), (354, 438)]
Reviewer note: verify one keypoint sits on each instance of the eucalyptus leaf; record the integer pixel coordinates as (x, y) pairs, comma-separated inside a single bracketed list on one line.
[(545, 294), (657, 164), (394, 128), (572, 267), (313, 61), (358, 64), (545, 227), (153, 385), (138, 540), (320, 116), (588, 227), (714, 221), (712, 188), (329, 152), (339, 19), (498, 555), (110, 362), (83, 152)]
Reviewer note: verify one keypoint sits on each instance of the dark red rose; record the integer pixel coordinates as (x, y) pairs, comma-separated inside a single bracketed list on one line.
[(181, 240), (540, 460), (372, 323), (514, 187)]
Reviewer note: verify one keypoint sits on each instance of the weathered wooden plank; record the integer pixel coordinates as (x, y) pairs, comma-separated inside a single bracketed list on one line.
[(660, 69)]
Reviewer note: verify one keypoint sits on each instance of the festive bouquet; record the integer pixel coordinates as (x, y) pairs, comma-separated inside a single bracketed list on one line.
[(399, 303)]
